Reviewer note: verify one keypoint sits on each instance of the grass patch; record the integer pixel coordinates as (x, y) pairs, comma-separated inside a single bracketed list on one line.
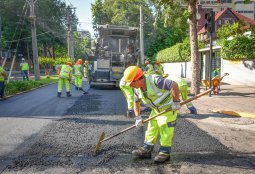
[(20, 86)]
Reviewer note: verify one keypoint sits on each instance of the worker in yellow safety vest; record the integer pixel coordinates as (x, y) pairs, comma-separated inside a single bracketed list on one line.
[(159, 94), (65, 77), (183, 88), (78, 73), (129, 95), (158, 68), (3, 77), (24, 69), (149, 69)]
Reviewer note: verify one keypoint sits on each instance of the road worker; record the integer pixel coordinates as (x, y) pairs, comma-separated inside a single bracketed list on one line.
[(183, 88), (24, 69), (149, 69), (78, 73), (158, 68), (86, 68), (65, 77), (3, 77), (159, 94), (129, 95)]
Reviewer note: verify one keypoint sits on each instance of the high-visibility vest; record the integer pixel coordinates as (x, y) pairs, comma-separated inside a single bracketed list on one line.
[(24, 66), (155, 97), (2, 71), (65, 71), (77, 70)]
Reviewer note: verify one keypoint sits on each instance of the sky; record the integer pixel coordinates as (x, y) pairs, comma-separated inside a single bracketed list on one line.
[(83, 13)]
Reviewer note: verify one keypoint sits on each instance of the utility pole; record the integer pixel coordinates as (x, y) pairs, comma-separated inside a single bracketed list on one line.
[(34, 38), (0, 38), (70, 16), (141, 36)]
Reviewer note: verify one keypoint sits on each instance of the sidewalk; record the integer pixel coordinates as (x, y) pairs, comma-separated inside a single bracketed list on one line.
[(232, 100)]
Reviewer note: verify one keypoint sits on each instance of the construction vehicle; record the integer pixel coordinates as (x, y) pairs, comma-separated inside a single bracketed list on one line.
[(114, 50)]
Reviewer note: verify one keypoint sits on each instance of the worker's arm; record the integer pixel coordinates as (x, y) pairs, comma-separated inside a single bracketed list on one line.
[(137, 107), (171, 86)]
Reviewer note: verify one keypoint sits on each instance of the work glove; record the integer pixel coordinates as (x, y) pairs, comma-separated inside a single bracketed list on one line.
[(193, 110), (176, 105), (130, 113), (138, 122)]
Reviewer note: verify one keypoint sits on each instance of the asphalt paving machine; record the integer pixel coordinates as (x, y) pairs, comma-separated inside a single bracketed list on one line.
[(114, 50)]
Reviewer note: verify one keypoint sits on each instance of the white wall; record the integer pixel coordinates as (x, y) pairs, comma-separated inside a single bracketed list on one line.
[(177, 69), (240, 72)]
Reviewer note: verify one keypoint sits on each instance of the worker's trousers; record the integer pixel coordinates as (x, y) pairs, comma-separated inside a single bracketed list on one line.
[(163, 126), (61, 82), (1, 88), (78, 81), (183, 89)]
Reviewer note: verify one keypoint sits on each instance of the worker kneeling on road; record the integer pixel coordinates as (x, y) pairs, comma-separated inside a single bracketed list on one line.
[(65, 77), (129, 95), (159, 94)]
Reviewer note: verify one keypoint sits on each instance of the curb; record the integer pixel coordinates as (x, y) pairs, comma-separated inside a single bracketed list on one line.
[(236, 113), (9, 96)]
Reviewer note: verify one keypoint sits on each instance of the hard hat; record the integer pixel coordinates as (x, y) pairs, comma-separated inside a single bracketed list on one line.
[(79, 62), (22, 59), (157, 62), (146, 62), (86, 61), (132, 73), (69, 63)]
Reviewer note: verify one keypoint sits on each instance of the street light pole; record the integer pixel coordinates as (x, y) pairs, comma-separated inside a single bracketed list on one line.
[(34, 39), (141, 36)]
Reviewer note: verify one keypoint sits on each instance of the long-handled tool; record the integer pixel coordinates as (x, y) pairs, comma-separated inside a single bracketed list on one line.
[(84, 92), (102, 139)]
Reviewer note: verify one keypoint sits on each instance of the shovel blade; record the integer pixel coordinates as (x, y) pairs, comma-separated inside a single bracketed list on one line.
[(98, 146)]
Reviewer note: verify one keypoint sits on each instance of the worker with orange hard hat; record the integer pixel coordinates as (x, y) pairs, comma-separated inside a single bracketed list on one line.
[(159, 94), (78, 73), (158, 68), (65, 77)]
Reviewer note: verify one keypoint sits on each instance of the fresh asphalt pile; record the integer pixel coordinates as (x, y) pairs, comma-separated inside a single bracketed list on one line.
[(70, 142)]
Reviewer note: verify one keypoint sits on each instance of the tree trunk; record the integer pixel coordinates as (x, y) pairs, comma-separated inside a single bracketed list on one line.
[(195, 80)]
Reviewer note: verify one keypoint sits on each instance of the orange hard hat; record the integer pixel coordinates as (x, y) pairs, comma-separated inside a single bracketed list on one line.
[(79, 62), (69, 63), (157, 62), (132, 73)]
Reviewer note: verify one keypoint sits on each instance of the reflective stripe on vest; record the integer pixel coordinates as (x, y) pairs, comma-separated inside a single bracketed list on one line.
[(154, 97)]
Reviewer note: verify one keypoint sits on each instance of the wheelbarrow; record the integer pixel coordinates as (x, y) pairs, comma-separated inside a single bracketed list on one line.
[(215, 83)]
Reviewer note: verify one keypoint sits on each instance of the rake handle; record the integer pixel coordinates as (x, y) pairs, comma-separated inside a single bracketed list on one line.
[(150, 118)]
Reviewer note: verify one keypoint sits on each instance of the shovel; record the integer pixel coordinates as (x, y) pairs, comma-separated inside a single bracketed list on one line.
[(102, 139), (84, 92)]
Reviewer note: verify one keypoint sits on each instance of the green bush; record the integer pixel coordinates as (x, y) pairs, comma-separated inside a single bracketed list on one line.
[(180, 52), (239, 48), (20, 86)]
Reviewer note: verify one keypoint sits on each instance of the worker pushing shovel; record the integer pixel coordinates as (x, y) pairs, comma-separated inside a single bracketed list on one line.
[(162, 96)]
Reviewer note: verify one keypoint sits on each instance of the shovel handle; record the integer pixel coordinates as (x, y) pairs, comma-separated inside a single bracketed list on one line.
[(167, 110)]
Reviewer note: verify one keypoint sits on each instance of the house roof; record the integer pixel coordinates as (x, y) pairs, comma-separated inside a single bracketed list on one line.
[(238, 16)]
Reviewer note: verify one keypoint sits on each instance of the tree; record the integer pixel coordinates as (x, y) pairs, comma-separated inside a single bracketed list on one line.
[(191, 10)]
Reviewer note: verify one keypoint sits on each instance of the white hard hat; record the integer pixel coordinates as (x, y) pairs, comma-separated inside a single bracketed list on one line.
[(22, 59)]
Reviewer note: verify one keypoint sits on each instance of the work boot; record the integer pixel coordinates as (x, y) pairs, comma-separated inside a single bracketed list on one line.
[(85, 92), (162, 157), (76, 87), (59, 94), (68, 94), (142, 153)]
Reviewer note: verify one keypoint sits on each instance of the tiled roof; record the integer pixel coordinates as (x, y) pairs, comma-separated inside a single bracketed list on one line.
[(238, 15)]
